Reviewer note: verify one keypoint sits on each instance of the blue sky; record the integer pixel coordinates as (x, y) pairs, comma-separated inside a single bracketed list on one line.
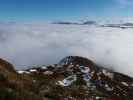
[(50, 10)]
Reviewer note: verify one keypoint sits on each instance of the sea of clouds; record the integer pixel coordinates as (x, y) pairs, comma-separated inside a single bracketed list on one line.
[(27, 44)]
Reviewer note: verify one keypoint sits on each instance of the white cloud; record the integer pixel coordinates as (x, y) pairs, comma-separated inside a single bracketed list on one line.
[(124, 2), (28, 44)]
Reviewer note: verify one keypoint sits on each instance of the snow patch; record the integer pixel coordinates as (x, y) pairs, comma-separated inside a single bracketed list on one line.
[(68, 81)]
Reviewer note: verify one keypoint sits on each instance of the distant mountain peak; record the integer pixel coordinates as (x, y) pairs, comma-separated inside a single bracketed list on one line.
[(89, 23)]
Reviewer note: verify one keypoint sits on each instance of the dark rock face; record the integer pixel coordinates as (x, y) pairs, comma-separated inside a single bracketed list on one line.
[(73, 78), (76, 60)]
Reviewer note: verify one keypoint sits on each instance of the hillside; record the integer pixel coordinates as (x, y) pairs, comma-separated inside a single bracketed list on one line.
[(73, 78)]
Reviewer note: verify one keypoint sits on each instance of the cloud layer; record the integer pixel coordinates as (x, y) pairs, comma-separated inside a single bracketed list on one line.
[(31, 44)]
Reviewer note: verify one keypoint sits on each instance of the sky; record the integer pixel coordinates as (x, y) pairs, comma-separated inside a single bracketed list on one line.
[(52, 10), (26, 44)]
